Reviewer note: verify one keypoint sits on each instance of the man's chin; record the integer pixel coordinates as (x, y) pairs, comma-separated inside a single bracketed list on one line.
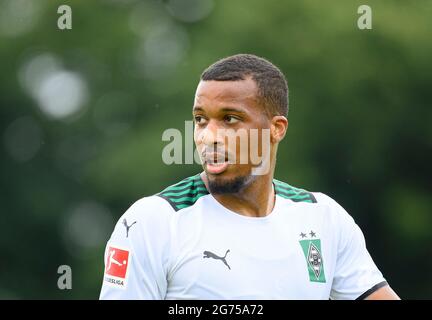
[(223, 184)]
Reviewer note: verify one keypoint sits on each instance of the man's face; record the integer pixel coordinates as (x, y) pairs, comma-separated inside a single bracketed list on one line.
[(224, 109)]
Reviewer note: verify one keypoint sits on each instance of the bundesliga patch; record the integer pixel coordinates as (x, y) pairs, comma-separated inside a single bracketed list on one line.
[(116, 266)]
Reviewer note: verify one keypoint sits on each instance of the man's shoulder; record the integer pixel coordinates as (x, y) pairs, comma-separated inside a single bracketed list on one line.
[(297, 194), (294, 194), (150, 209), (173, 198), (319, 200), (184, 193)]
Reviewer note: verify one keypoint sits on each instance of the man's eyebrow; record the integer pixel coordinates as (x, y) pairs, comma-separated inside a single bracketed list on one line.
[(231, 109), (197, 108), (223, 110)]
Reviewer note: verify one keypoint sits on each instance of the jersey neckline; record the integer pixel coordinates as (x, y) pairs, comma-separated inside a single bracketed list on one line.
[(237, 215)]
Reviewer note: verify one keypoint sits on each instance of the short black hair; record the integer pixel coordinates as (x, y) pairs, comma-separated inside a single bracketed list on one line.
[(272, 84)]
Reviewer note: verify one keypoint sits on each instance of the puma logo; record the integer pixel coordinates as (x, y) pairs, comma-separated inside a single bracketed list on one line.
[(127, 227), (208, 254)]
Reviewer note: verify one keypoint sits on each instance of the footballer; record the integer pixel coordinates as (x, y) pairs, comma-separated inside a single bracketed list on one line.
[(232, 232)]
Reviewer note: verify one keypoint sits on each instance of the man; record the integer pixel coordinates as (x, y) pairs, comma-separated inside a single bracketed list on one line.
[(232, 232)]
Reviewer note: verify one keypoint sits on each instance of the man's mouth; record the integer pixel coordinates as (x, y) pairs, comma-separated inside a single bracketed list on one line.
[(216, 163)]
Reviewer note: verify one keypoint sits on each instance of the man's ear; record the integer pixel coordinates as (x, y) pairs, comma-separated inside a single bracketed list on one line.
[(278, 128)]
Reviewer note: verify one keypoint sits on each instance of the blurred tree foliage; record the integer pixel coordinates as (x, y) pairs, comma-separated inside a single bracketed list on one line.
[(360, 121)]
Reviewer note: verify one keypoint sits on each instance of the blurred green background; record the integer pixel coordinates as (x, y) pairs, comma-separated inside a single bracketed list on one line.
[(83, 112)]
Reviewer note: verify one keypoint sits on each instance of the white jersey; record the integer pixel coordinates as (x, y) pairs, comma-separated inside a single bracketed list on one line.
[(183, 244)]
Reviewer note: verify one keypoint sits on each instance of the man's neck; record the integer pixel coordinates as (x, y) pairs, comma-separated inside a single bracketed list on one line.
[(255, 200)]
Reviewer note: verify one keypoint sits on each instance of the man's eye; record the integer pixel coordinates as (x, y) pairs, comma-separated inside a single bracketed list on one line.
[(199, 119), (231, 119)]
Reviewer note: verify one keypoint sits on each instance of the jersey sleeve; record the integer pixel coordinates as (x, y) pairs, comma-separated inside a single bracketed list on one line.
[(137, 255), (356, 275)]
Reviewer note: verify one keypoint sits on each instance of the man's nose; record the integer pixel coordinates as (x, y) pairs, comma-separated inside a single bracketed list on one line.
[(212, 135)]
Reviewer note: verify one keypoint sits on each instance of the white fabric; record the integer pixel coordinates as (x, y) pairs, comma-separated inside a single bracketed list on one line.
[(266, 259)]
